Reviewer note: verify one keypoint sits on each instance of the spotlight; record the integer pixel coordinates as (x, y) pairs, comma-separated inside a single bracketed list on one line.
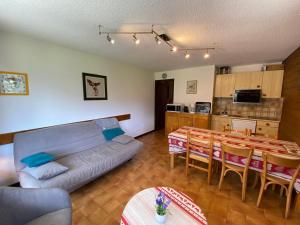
[(158, 41), (136, 40), (174, 49), (112, 41), (187, 55), (206, 55)]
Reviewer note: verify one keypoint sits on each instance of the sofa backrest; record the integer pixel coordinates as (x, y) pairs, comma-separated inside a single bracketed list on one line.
[(58, 140), (107, 123)]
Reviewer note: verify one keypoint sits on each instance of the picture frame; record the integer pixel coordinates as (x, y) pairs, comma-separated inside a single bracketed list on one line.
[(13, 83), (94, 86), (191, 87)]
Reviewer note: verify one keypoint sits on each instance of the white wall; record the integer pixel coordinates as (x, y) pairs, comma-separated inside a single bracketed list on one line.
[(56, 95), (205, 85)]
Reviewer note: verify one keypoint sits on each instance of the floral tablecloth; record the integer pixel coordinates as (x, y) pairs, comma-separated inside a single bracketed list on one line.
[(178, 139), (140, 210)]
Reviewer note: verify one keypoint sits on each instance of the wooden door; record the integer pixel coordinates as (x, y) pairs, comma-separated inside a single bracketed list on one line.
[(201, 121), (172, 122), (228, 83), (248, 80), (272, 84), (256, 80), (164, 91), (185, 119), (218, 123), (218, 86)]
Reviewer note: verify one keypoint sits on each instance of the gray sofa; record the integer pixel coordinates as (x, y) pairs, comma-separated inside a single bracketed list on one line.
[(20, 206), (81, 147)]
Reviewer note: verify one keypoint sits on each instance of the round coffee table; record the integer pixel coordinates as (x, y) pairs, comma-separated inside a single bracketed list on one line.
[(140, 210)]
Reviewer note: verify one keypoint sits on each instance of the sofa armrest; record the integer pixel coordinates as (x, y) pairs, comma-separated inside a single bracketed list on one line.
[(20, 206)]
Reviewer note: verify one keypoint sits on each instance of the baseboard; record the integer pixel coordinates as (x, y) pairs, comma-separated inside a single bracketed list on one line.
[(145, 134)]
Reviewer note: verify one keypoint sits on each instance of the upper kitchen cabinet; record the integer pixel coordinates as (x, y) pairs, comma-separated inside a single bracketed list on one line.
[(272, 84), (248, 80), (218, 86), (224, 86)]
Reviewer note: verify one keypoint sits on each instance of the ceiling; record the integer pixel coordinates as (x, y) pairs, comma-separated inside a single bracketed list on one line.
[(243, 31)]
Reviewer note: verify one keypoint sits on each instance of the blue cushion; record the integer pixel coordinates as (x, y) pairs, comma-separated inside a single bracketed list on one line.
[(109, 134), (37, 159)]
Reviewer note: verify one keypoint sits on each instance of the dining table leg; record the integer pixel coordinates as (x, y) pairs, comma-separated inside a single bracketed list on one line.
[(172, 159), (297, 205)]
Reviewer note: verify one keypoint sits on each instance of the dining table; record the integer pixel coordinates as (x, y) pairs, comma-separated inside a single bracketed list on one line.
[(140, 209), (178, 139)]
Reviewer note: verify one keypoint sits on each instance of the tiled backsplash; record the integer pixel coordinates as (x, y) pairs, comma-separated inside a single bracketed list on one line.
[(268, 108)]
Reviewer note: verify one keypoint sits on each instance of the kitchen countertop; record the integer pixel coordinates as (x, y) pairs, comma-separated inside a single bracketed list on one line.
[(193, 113), (246, 117)]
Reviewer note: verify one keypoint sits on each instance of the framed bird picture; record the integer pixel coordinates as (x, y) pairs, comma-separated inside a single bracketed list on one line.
[(94, 87)]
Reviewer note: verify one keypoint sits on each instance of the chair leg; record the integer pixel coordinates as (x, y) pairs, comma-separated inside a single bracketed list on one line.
[(187, 166), (288, 203), (172, 159), (297, 204), (244, 187), (209, 173), (281, 191), (222, 177), (255, 180), (262, 188), (273, 187)]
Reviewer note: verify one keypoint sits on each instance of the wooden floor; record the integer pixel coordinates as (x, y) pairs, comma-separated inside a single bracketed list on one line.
[(102, 201)]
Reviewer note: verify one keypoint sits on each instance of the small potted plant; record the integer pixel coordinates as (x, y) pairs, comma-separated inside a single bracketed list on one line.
[(162, 204)]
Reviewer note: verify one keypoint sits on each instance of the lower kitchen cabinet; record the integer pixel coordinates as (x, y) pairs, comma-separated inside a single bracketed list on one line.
[(175, 120), (263, 127), (219, 123)]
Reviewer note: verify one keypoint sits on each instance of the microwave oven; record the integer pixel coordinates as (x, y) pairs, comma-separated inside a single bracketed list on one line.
[(247, 96), (174, 107)]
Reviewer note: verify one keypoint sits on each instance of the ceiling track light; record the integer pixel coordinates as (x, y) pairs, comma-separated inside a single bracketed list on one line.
[(206, 55), (187, 55), (174, 49), (136, 40), (109, 39), (158, 41), (159, 38)]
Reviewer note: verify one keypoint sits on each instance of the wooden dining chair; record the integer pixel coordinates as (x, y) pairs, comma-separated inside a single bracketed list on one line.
[(242, 171), (205, 145), (246, 132), (267, 135), (268, 178)]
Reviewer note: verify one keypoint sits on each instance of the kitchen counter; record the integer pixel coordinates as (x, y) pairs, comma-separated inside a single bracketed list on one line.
[(192, 113)]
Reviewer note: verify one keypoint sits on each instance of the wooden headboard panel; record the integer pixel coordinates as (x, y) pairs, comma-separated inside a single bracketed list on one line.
[(8, 138)]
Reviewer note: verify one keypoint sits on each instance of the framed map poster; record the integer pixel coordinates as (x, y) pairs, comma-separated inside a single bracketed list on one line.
[(13, 83)]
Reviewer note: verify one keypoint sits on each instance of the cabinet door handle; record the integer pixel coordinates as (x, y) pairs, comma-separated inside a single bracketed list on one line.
[(259, 128), (258, 86), (267, 124), (264, 95), (230, 94)]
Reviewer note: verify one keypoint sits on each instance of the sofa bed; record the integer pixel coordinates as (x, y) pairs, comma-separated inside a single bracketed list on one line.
[(80, 147)]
